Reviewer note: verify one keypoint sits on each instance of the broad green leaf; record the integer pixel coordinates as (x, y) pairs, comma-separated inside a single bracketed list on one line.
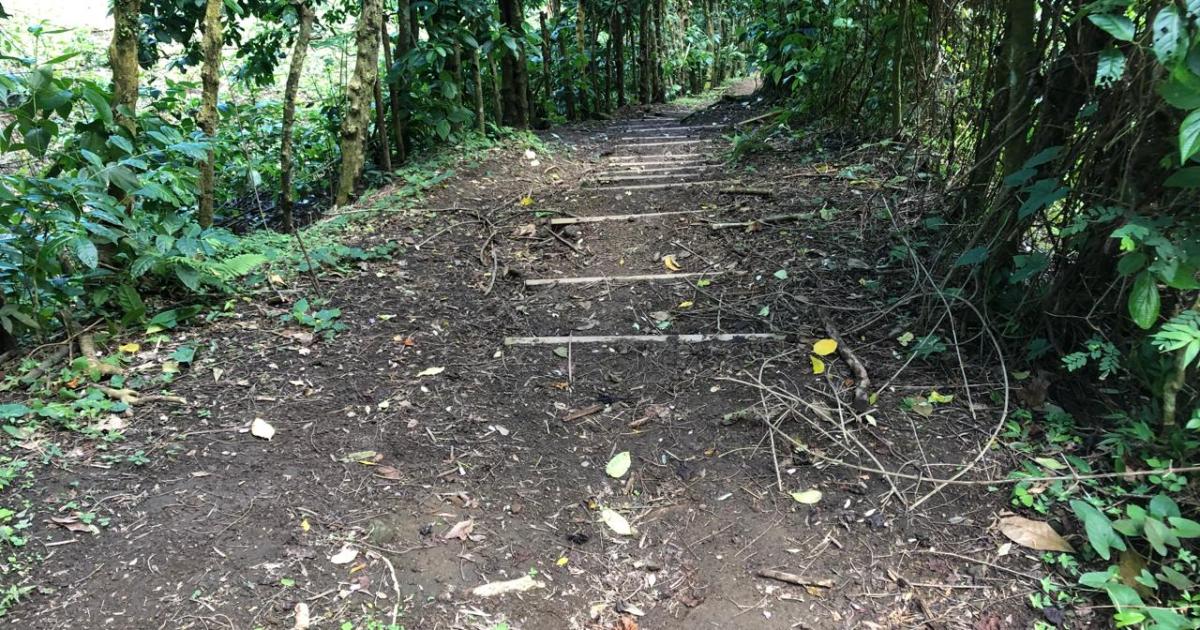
[(618, 465), (1099, 529), (972, 257), (1157, 535), (1131, 263), (1164, 506), (1184, 527), (1119, 26), (1144, 302), (1110, 66), (13, 410), (1169, 41), (1189, 136), (85, 250)]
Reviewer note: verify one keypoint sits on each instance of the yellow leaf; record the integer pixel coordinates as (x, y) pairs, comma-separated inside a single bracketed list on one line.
[(670, 264), (825, 347), (562, 562), (935, 397), (526, 202), (818, 365), (130, 348), (686, 304), (304, 526)]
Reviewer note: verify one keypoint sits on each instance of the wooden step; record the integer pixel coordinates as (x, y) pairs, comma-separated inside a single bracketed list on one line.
[(692, 338), (619, 217), (672, 143), (657, 186), (651, 277)]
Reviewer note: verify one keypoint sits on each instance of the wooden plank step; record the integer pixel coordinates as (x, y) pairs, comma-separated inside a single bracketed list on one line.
[(655, 186), (630, 178), (635, 159), (649, 277), (666, 164), (672, 143), (673, 128), (662, 137), (692, 338), (657, 169), (619, 217)]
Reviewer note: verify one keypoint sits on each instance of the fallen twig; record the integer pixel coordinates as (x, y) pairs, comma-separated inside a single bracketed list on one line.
[(756, 192), (862, 395), (792, 578), (132, 397)]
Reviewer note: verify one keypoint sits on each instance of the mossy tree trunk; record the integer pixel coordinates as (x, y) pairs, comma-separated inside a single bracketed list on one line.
[(299, 53), (123, 58), (404, 41), (547, 65), (359, 94), (513, 67), (477, 66), (645, 28), (210, 87)]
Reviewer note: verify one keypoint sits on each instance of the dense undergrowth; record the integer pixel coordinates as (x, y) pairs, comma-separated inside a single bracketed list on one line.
[(1061, 137)]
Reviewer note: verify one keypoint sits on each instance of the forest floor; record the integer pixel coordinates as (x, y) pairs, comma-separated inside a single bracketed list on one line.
[(417, 456)]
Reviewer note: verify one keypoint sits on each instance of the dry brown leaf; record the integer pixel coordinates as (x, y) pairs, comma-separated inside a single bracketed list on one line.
[(1033, 534), (72, 524), (461, 530), (390, 473), (626, 622)]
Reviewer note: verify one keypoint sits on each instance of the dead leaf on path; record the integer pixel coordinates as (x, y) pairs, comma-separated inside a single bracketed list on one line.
[(461, 530), (302, 617), (260, 428), (521, 584), (582, 413), (302, 337), (807, 497), (562, 352), (670, 263), (345, 556), (618, 465), (1033, 534), (391, 473), (130, 348), (524, 231), (111, 423), (626, 622), (1130, 567), (73, 524), (363, 457), (616, 522), (432, 371), (825, 347), (818, 366)]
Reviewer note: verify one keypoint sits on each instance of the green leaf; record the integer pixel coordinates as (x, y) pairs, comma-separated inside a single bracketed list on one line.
[(1175, 578), (85, 250), (184, 354), (1144, 302), (972, 257), (1164, 506), (13, 410), (1169, 41), (1132, 263), (1188, 177), (1119, 26), (1110, 66), (1184, 527), (618, 465), (1189, 136), (1099, 529), (1157, 535)]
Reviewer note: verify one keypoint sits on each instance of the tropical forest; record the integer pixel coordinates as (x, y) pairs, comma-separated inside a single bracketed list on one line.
[(599, 314)]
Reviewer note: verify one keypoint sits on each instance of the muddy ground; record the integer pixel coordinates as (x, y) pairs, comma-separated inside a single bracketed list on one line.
[(418, 419)]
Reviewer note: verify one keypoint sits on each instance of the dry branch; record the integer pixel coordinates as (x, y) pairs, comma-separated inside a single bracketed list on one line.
[(862, 390), (792, 578)]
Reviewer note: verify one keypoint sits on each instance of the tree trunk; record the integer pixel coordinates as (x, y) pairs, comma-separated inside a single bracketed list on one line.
[(383, 153), (619, 54), (480, 120), (568, 79), (646, 83), (547, 66), (299, 52), (358, 100), (123, 58), (210, 85), (404, 40), (393, 93), (656, 65), (1021, 56), (497, 91), (512, 66)]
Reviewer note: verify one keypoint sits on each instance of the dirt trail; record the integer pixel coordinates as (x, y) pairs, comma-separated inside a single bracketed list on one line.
[(227, 531)]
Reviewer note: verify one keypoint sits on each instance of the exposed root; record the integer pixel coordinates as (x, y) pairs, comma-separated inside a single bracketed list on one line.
[(87, 347), (862, 390), (132, 398)]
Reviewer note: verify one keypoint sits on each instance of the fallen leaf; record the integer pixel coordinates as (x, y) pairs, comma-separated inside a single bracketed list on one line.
[(686, 304), (618, 465), (345, 556), (782, 274), (260, 428), (807, 497), (304, 525), (818, 366), (526, 202), (660, 316), (616, 522), (73, 524), (391, 473), (562, 352), (1033, 534), (361, 456), (130, 348), (625, 622), (562, 561), (111, 422), (669, 262), (461, 530), (1050, 463), (935, 397), (433, 371), (524, 231), (302, 617), (825, 347), (521, 584)]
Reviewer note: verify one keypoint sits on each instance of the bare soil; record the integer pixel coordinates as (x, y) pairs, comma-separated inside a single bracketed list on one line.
[(225, 530)]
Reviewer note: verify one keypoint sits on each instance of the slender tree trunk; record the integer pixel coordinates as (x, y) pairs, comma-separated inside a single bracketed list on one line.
[(656, 65), (581, 44), (497, 91), (299, 52), (123, 58), (210, 85), (404, 39), (568, 79), (547, 65), (619, 53), (358, 99), (480, 120), (613, 25), (645, 28), (383, 153), (393, 93), (1021, 57)]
